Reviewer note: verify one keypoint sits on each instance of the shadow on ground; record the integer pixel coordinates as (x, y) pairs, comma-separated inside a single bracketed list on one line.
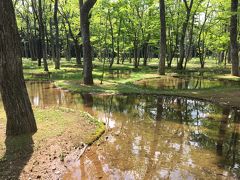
[(18, 152)]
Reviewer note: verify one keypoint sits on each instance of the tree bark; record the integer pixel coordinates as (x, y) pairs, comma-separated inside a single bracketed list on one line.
[(52, 40), (189, 49), (76, 43), (184, 30), (57, 47), (233, 38), (135, 51), (77, 52), (118, 40), (87, 49), (20, 118), (42, 36), (145, 53), (112, 38), (163, 46)]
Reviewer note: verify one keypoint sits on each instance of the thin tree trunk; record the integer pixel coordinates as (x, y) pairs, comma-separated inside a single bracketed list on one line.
[(57, 46), (112, 38), (52, 40), (184, 30), (118, 41), (135, 44), (189, 50), (77, 52), (163, 46), (68, 49), (42, 36), (76, 43), (233, 38), (37, 43), (145, 53)]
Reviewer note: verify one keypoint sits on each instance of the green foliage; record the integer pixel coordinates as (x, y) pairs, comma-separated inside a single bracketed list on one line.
[(119, 27)]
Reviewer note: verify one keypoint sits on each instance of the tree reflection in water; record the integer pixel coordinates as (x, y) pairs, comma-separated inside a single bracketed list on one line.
[(158, 136)]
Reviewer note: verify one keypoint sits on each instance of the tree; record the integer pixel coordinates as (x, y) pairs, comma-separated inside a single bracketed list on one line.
[(163, 46), (183, 33), (85, 32), (124, 30), (233, 38), (57, 48), (68, 12), (42, 35), (20, 118)]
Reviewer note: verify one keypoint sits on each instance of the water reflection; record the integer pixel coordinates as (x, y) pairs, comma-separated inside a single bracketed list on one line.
[(117, 74), (153, 137), (184, 83)]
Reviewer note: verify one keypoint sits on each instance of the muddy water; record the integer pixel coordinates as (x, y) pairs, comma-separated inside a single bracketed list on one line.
[(184, 83), (153, 137)]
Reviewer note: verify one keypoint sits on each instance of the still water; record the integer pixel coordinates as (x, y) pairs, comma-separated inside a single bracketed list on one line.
[(165, 83), (152, 137)]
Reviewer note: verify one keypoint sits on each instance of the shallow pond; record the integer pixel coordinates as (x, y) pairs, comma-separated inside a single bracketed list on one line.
[(152, 137), (165, 83)]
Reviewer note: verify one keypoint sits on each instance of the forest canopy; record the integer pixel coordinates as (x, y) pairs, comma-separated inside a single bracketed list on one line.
[(123, 28)]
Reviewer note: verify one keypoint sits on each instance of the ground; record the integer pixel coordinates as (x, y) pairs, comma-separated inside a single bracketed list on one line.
[(47, 153)]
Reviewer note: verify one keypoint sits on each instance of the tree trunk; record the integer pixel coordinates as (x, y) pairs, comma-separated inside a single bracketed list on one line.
[(229, 60), (68, 50), (52, 40), (20, 118), (145, 53), (233, 38), (76, 44), (87, 49), (42, 36), (189, 49), (135, 44), (77, 52), (184, 30), (163, 46), (118, 40), (57, 47), (112, 38)]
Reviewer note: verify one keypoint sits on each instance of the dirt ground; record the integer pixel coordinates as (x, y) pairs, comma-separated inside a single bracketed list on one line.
[(43, 155)]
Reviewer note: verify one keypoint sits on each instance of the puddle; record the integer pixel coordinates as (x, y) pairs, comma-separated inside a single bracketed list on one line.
[(118, 74), (152, 137), (183, 83)]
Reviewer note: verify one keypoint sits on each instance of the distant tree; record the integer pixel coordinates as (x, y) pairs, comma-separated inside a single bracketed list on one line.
[(183, 33), (20, 118), (163, 46), (42, 35), (233, 38), (57, 48)]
